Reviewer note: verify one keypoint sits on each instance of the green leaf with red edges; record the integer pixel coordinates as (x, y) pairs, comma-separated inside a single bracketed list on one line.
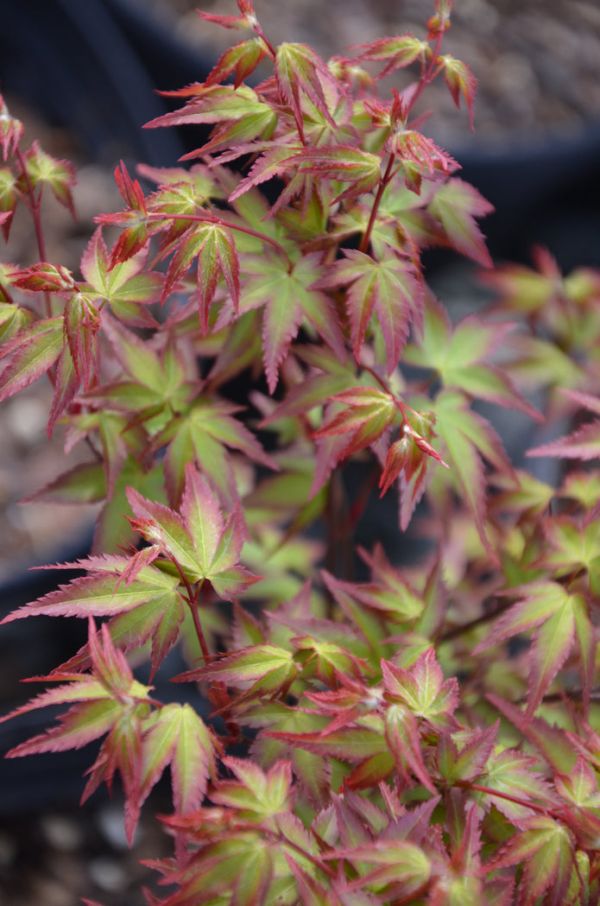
[(550, 741), (156, 384), (556, 614), (422, 689), (463, 755), (258, 670), (455, 205), (544, 849), (240, 61), (215, 104), (176, 736), (404, 743), (81, 323), (389, 288), (204, 435), (573, 545), (342, 163), (85, 483), (513, 774), (368, 414), (461, 356), (124, 285), (135, 236), (13, 318), (350, 744), (301, 74), (397, 52), (288, 299), (100, 701), (44, 170), (146, 606), (255, 794), (198, 539), (467, 437), (395, 867), (461, 82), (213, 248), (31, 353)]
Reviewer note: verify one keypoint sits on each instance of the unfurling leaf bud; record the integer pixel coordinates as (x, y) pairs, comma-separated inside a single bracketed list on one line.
[(11, 131)]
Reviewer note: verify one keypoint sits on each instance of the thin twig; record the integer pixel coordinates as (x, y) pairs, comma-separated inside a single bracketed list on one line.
[(192, 600), (35, 208), (478, 621)]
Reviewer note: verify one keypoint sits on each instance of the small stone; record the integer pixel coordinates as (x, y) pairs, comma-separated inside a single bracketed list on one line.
[(27, 419), (108, 875), (60, 832)]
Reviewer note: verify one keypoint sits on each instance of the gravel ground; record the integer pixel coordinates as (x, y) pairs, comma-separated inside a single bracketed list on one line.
[(537, 61)]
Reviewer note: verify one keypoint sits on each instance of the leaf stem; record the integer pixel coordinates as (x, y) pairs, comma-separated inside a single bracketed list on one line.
[(35, 208), (478, 621), (387, 177), (478, 788), (192, 600), (383, 184)]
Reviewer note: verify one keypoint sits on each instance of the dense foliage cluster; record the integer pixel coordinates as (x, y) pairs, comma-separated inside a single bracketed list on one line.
[(392, 743)]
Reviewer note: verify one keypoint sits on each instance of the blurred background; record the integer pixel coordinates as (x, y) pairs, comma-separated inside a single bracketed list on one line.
[(81, 74)]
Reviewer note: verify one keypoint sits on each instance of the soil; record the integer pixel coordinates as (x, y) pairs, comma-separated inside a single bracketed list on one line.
[(537, 61)]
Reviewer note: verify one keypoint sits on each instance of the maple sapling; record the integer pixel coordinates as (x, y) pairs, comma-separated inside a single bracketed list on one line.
[(392, 744)]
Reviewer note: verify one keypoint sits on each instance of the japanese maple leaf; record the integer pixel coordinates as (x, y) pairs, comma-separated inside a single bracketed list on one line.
[(108, 700), (468, 438), (213, 247), (288, 299), (422, 689), (406, 462), (126, 285), (301, 74), (175, 735), (560, 617), (135, 235), (396, 51), (545, 849), (205, 433), (455, 205), (240, 61), (584, 442), (245, 21), (204, 545), (389, 288), (259, 670), (368, 413), (141, 604), (43, 170), (396, 869), (463, 356), (155, 384)]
